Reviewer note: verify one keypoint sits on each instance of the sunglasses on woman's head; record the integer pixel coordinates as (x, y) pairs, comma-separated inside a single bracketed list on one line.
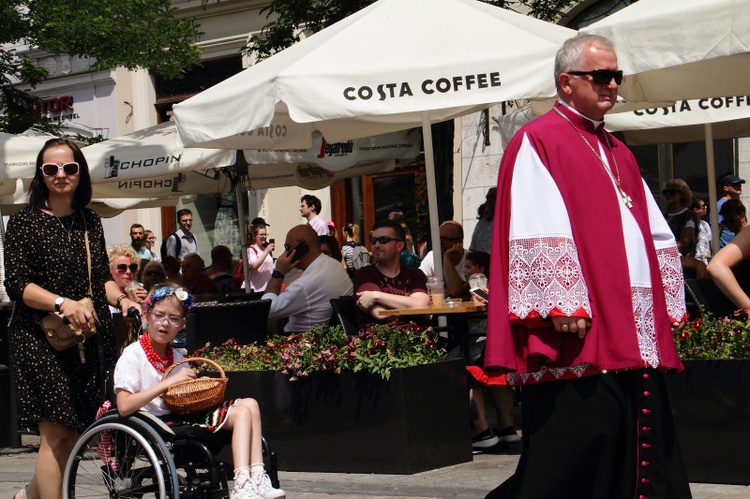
[(122, 268), (52, 169)]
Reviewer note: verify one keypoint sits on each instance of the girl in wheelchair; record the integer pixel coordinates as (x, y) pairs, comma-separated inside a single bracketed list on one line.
[(138, 384)]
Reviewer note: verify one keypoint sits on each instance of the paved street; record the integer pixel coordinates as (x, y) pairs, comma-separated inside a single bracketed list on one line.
[(464, 481)]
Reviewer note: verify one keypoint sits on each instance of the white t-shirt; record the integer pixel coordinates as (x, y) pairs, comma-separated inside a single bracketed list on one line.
[(428, 265), (134, 373), (259, 277)]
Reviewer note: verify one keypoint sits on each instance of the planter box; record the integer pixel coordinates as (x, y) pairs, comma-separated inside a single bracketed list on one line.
[(358, 423), (711, 407)]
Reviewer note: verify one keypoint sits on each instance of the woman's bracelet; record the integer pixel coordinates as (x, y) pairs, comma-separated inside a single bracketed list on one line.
[(119, 299)]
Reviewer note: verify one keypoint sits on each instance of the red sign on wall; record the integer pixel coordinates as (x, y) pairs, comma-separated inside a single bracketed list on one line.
[(56, 104)]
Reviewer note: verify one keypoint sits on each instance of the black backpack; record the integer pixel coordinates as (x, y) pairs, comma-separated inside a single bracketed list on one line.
[(178, 246)]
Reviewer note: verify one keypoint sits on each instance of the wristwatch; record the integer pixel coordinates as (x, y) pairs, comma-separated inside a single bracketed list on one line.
[(277, 274), (58, 303)]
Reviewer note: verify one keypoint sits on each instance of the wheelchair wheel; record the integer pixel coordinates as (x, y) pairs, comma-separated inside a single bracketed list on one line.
[(120, 458)]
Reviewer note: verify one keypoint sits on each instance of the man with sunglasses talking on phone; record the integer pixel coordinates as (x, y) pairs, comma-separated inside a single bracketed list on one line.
[(306, 301), (386, 284), (587, 289)]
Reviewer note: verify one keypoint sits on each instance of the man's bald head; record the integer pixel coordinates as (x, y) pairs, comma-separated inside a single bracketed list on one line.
[(304, 233)]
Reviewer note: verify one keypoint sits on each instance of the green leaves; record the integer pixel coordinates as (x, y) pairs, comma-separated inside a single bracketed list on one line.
[(135, 34), (132, 34), (378, 350), (709, 337)]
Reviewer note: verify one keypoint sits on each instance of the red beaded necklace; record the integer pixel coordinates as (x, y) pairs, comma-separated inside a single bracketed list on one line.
[(160, 363)]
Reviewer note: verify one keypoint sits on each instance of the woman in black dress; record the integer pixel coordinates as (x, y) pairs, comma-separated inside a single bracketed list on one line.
[(46, 270)]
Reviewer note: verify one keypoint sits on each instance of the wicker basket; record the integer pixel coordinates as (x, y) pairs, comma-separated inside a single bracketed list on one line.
[(195, 395)]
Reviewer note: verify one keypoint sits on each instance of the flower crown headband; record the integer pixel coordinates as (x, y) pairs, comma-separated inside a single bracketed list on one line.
[(161, 292)]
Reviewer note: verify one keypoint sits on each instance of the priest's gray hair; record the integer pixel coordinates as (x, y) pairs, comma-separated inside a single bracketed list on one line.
[(570, 55)]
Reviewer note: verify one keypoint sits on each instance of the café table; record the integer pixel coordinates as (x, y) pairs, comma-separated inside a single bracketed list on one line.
[(457, 307), (461, 311)]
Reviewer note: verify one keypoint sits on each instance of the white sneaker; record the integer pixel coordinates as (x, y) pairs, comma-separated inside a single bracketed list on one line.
[(248, 492), (266, 490)]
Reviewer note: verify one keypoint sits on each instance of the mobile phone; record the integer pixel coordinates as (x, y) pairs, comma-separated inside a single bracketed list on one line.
[(299, 251), (272, 241), (480, 293)]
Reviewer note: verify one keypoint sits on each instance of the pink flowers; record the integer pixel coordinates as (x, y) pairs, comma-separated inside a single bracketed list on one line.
[(377, 350), (710, 338)]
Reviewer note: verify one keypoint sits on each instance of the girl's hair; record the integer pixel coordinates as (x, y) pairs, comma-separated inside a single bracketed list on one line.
[(486, 210), (253, 230), (38, 191), (480, 259), (697, 203), (683, 189), (352, 230), (333, 245), (165, 290)]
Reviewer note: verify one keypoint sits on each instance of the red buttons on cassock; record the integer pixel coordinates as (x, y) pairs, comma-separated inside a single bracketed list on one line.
[(645, 463), (642, 497), (644, 480), (646, 393), (645, 375), (646, 446), (646, 411)]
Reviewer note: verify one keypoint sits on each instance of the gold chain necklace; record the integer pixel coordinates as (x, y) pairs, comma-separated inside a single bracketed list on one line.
[(616, 179)]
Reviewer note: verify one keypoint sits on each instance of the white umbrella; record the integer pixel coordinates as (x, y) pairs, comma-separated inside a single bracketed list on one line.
[(264, 176), (684, 121), (387, 67), (17, 159), (149, 152), (149, 163), (690, 49), (681, 50)]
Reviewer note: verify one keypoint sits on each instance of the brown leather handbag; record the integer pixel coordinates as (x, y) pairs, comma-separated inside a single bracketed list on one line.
[(58, 331)]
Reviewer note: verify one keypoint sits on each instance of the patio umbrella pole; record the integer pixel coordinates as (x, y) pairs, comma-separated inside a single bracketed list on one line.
[(432, 204), (240, 170), (712, 194)]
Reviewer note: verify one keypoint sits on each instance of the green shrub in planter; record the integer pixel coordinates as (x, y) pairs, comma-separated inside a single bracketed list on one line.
[(377, 350), (708, 337)]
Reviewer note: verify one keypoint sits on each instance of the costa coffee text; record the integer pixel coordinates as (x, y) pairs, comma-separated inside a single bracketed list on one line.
[(428, 87)]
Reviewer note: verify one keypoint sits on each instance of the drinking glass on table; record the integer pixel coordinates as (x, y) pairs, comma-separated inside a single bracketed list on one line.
[(436, 290)]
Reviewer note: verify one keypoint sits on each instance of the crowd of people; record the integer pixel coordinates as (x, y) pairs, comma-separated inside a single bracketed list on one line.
[(585, 334)]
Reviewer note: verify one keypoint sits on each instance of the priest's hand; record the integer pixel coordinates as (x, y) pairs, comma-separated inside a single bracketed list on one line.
[(571, 325)]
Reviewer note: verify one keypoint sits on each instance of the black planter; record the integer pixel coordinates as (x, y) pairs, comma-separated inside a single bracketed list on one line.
[(711, 407), (359, 423)]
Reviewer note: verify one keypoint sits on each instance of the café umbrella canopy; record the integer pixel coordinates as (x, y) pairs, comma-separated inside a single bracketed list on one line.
[(18, 159), (149, 164), (387, 67), (691, 49)]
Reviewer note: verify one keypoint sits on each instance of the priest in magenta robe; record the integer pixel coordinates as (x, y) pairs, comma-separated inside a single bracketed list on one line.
[(588, 292)]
